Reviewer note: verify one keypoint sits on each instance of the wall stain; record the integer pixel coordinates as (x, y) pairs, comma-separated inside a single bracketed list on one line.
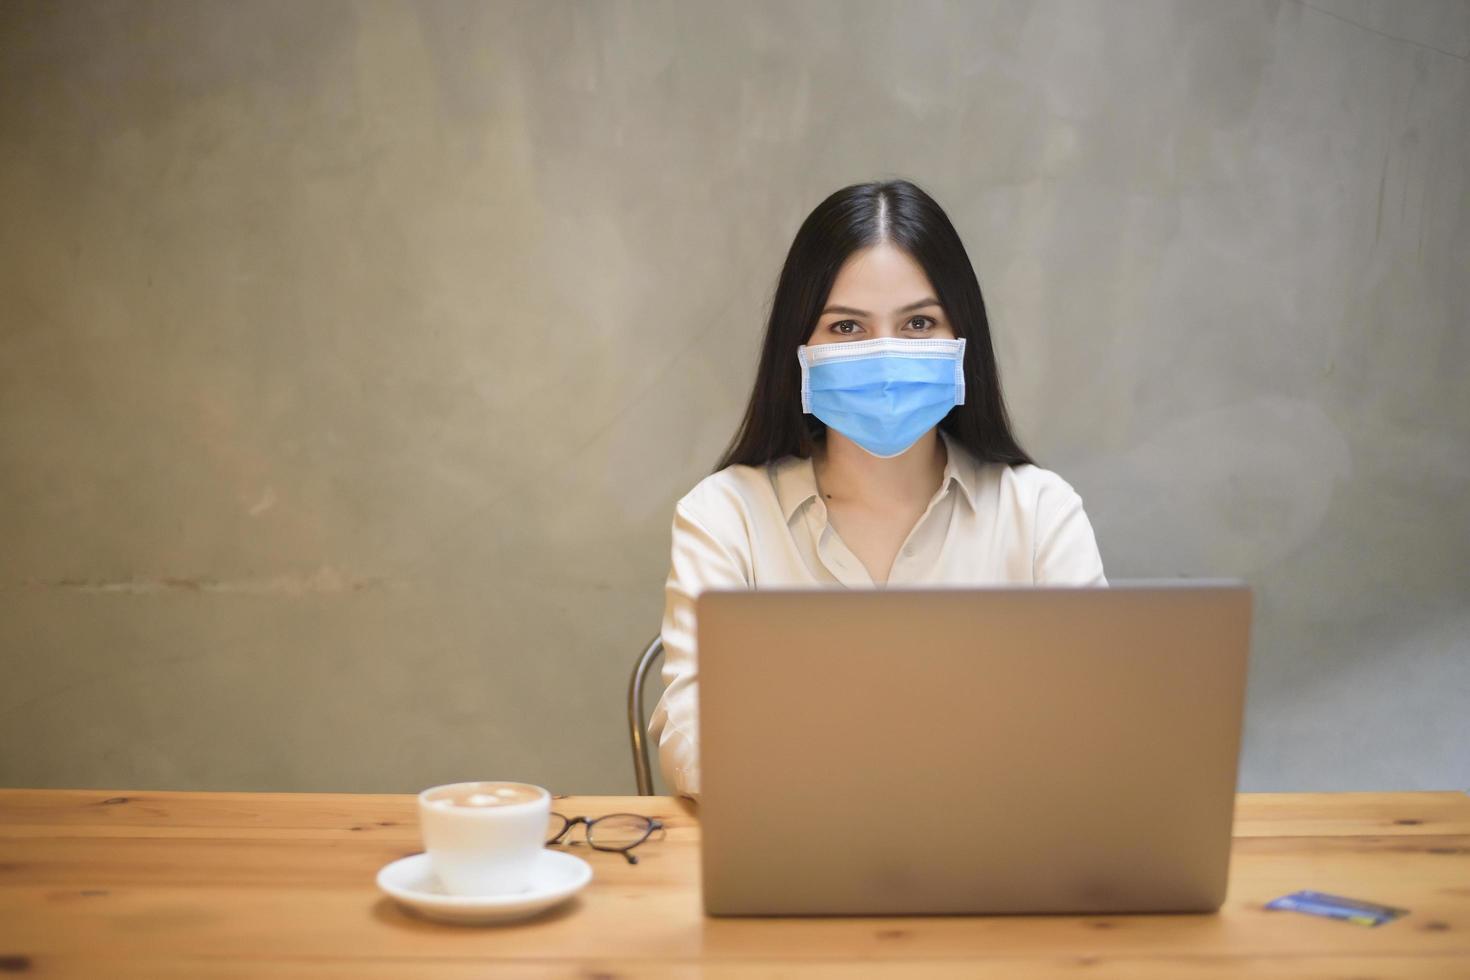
[(324, 581)]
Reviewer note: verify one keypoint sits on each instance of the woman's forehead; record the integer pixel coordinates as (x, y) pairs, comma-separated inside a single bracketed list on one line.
[(883, 277)]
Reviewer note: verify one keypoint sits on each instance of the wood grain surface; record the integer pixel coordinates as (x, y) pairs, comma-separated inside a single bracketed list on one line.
[(121, 883)]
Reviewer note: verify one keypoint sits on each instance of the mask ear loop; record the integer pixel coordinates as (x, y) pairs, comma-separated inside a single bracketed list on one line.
[(959, 374), (806, 380)]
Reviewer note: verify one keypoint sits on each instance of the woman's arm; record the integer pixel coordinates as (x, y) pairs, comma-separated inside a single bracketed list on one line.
[(1066, 548), (699, 561)]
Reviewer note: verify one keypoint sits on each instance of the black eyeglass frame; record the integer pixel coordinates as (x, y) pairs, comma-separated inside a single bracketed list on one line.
[(569, 822)]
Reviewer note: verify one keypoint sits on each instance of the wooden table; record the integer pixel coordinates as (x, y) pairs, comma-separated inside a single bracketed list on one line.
[(204, 885)]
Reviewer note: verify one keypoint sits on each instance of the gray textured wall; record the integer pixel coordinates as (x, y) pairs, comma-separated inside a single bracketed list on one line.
[(352, 355)]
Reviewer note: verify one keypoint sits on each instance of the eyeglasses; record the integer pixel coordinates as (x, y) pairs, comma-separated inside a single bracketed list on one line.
[(619, 832)]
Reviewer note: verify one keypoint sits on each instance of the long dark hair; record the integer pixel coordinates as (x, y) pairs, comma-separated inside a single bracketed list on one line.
[(852, 219)]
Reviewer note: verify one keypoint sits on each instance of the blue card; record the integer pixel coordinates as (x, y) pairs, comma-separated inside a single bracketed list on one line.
[(1337, 907)]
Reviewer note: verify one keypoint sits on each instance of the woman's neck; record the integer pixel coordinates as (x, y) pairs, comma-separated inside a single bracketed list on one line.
[(848, 474)]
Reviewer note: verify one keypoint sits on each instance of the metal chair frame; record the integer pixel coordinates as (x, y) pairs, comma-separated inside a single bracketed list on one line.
[(642, 771)]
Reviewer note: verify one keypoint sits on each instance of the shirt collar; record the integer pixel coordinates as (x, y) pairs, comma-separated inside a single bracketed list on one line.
[(796, 481)]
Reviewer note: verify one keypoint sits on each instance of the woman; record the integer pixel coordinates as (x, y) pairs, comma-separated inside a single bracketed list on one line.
[(875, 449)]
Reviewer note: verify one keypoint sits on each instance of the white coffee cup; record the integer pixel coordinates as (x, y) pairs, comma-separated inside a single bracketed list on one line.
[(483, 837)]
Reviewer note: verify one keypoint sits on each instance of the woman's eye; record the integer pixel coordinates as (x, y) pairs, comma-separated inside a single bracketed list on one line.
[(841, 326), (921, 323)]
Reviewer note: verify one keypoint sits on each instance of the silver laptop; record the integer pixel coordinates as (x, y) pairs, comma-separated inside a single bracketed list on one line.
[(910, 751)]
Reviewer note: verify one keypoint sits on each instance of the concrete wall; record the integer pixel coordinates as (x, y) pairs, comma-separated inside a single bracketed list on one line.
[(352, 355)]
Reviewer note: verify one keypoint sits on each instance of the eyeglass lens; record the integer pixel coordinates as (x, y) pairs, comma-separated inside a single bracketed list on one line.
[(613, 832)]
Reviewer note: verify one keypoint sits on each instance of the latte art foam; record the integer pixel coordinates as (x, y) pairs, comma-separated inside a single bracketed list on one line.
[(485, 796)]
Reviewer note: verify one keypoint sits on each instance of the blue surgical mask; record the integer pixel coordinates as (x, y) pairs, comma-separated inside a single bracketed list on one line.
[(882, 394)]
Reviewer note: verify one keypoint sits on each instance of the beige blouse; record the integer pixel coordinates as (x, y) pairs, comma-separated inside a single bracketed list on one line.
[(766, 526)]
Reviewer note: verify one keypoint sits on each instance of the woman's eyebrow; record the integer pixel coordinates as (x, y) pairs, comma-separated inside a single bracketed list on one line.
[(927, 301)]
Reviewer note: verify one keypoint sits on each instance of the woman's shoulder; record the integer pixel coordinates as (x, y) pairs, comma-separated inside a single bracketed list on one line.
[(735, 490), (1037, 479), (1027, 483), (1007, 483)]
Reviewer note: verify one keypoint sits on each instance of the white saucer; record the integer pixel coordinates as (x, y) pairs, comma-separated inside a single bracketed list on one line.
[(411, 880)]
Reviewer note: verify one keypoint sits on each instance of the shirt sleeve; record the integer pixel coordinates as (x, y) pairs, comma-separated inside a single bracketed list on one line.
[(1066, 548), (699, 561)]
